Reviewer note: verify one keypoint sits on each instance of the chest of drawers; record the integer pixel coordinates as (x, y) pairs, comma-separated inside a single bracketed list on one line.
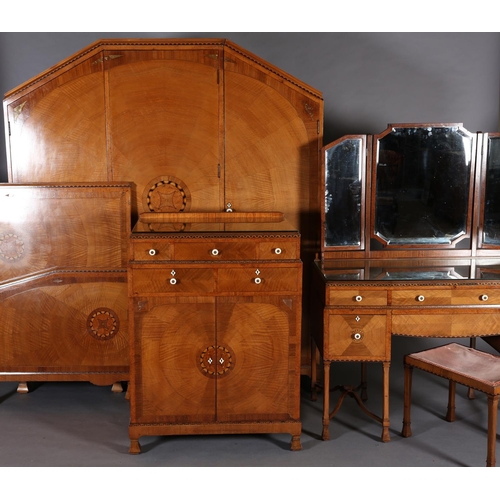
[(215, 328)]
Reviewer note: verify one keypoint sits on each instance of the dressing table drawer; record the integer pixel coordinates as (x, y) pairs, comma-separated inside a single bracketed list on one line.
[(356, 297), (446, 297), (352, 337)]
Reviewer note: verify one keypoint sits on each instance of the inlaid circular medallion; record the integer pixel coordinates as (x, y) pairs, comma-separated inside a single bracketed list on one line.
[(11, 247), (103, 323), (166, 194), (216, 361)]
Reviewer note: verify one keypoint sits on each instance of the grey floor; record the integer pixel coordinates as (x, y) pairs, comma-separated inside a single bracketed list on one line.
[(79, 425)]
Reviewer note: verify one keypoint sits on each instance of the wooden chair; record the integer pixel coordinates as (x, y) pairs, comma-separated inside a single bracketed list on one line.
[(459, 364)]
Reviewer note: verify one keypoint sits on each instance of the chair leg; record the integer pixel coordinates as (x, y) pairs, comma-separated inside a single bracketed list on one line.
[(470, 393), (450, 415), (492, 430), (407, 400)]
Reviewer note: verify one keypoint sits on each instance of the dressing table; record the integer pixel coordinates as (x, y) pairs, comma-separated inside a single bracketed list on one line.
[(410, 245)]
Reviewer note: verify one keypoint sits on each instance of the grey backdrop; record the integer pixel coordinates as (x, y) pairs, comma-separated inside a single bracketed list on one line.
[(368, 79)]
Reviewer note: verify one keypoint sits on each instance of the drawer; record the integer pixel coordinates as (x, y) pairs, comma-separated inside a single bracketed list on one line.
[(152, 250), (356, 297), (355, 336), (215, 250), (445, 297), (260, 279), (173, 280), (278, 250)]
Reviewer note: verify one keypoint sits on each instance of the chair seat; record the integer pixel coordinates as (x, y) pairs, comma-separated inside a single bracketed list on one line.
[(467, 366), (459, 364)]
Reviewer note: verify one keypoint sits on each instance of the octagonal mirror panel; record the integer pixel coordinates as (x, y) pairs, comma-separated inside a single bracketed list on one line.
[(423, 194)]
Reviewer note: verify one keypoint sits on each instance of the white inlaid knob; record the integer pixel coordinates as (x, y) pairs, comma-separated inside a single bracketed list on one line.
[(257, 281), (420, 298), (357, 336), (358, 298), (277, 251), (173, 281), (215, 252), (484, 298), (152, 252)]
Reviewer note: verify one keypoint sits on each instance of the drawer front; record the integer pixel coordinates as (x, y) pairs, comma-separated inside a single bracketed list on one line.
[(258, 280), (278, 250), (354, 336), (175, 280), (215, 250), (455, 324), (356, 297), (152, 250), (445, 297)]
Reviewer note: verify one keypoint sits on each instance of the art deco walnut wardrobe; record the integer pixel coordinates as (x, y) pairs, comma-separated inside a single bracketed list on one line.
[(196, 126)]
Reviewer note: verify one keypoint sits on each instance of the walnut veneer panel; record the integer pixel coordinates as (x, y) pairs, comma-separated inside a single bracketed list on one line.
[(65, 226), (273, 137), (164, 114), (450, 323), (58, 130), (65, 326)]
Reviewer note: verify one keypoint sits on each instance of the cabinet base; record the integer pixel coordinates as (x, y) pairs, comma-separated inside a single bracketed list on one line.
[(291, 427)]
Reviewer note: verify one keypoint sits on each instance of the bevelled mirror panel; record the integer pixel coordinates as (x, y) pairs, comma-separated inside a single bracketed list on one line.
[(423, 185), (491, 227), (343, 190)]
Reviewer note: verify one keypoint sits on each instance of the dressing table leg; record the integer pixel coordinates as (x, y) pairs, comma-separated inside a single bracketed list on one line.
[(385, 412), (326, 400)]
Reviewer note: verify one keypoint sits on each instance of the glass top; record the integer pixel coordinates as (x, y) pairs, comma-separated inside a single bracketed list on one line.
[(408, 270), (214, 227)]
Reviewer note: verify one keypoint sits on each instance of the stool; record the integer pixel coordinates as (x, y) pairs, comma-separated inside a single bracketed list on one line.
[(467, 366)]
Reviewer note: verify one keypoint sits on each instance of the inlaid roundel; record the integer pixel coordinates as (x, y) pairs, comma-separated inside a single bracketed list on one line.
[(103, 323), (167, 194), (11, 247), (216, 361)]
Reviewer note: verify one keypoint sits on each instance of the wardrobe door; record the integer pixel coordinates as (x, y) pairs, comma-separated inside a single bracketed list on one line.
[(272, 141), (164, 126), (57, 127)]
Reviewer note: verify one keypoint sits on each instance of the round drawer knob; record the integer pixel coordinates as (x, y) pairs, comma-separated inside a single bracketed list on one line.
[(358, 298), (484, 298), (277, 251), (357, 336), (173, 281), (152, 252), (215, 252), (420, 298), (257, 281)]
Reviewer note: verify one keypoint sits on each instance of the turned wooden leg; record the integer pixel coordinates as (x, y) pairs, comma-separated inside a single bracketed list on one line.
[(326, 401), (492, 430), (364, 392), (295, 444), (314, 372), (135, 447), (22, 388), (450, 414), (385, 411), (407, 401)]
